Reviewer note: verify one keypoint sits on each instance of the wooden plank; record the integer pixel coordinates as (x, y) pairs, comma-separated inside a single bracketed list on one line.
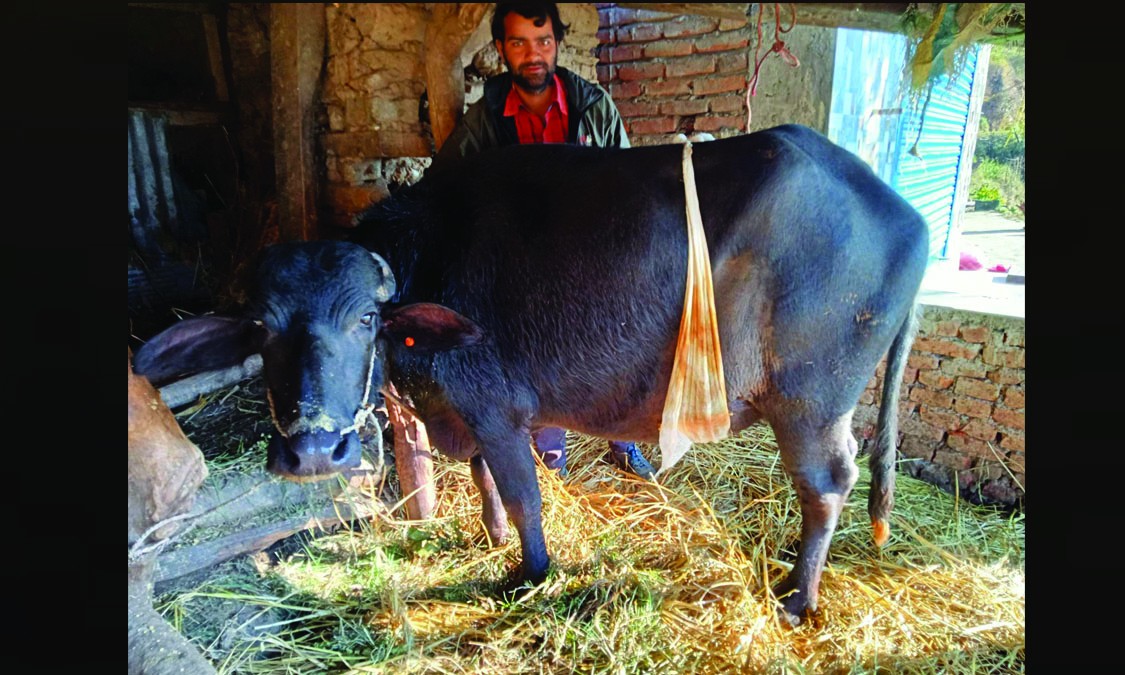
[(215, 57), (297, 44), (184, 561), (450, 25)]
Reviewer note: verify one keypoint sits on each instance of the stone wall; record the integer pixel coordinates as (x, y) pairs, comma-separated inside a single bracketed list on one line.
[(670, 74), (961, 418)]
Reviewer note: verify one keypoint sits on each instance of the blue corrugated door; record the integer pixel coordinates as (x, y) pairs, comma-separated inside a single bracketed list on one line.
[(871, 117)]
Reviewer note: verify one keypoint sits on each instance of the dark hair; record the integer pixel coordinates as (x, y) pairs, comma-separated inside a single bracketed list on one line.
[(536, 11)]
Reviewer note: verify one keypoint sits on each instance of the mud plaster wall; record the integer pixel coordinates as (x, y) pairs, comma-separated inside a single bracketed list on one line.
[(670, 74), (961, 411)]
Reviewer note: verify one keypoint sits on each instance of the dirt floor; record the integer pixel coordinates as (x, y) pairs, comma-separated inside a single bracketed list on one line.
[(994, 239)]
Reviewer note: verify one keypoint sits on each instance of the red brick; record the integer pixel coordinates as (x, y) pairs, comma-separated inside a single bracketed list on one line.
[(1010, 357), (607, 17), (1016, 464), (881, 369), (941, 420), (936, 399), (973, 407), (1013, 338), (666, 48), (720, 83), (727, 104), (981, 389), (947, 328), (1006, 376), (625, 16), (640, 71), (716, 122), (607, 36), (917, 447), (1009, 418), (673, 87), (946, 348), (722, 42), (683, 26), (954, 460), (619, 53), (873, 383), (961, 367), (867, 397), (979, 334), (638, 108), (732, 24), (691, 65), (914, 426), (624, 90), (934, 379), (922, 361), (1013, 397), (606, 72), (1012, 441), (735, 62), (688, 107), (638, 32), (656, 125), (970, 446), (982, 430)]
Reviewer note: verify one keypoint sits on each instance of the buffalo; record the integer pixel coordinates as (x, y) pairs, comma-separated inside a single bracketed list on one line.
[(543, 286)]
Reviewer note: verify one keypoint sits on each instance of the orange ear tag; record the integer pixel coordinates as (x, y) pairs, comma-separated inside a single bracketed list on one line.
[(409, 341)]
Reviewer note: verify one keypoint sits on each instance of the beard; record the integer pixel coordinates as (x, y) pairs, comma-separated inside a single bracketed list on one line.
[(534, 83)]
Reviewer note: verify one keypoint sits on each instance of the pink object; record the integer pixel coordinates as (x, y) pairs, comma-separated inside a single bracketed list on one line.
[(999, 268), (969, 262)]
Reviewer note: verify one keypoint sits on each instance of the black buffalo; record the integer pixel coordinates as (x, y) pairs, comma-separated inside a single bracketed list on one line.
[(543, 285)]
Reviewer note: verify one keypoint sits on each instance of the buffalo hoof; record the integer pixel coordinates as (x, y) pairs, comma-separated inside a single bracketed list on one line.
[(520, 585), (794, 608)]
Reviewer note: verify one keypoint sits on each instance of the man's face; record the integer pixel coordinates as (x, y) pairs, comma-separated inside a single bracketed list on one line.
[(529, 51)]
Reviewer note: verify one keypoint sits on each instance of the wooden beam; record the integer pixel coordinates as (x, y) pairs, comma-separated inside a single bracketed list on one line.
[(886, 17), (297, 44), (450, 26)]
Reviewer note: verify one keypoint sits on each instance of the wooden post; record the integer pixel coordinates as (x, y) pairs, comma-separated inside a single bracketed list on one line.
[(297, 43), (450, 26)]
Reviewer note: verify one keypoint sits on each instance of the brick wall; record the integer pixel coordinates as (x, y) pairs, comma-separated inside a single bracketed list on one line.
[(670, 74), (961, 421)]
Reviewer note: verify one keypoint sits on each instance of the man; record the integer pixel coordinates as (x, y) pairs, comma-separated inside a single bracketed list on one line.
[(538, 102)]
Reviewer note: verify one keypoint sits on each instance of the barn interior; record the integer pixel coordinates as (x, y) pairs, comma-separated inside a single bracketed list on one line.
[(241, 134)]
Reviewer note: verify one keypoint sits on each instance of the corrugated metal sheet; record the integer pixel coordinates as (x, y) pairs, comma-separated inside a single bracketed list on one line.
[(166, 225), (932, 136), (870, 117)]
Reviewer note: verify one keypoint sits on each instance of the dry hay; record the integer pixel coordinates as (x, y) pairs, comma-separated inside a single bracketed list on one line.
[(664, 578)]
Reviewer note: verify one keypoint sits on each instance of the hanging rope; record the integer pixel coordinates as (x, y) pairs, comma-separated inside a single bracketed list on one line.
[(778, 48)]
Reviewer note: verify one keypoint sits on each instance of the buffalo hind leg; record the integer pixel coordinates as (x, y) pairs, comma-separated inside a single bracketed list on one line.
[(493, 516), (821, 461)]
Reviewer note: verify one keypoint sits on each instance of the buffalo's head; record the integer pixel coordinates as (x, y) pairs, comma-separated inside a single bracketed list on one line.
[(318, 314)]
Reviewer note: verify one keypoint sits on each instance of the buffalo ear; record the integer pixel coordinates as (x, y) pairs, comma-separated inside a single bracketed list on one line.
[(430, 327), (198, 345)]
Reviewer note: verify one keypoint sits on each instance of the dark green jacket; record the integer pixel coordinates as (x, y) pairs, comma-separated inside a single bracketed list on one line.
[(593, 119)]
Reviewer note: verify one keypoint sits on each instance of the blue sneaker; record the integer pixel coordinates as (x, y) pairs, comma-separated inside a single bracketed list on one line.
[(627, 457)]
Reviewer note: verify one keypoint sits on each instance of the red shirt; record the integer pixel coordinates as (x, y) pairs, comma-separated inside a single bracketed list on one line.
[(533, 129)]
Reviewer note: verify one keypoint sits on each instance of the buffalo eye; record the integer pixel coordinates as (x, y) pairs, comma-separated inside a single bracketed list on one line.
[(367, 319)]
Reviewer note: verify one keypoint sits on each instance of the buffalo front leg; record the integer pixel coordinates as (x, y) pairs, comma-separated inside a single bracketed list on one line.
[(821, 462), (413, 462), (513, 471), (493, 516)]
